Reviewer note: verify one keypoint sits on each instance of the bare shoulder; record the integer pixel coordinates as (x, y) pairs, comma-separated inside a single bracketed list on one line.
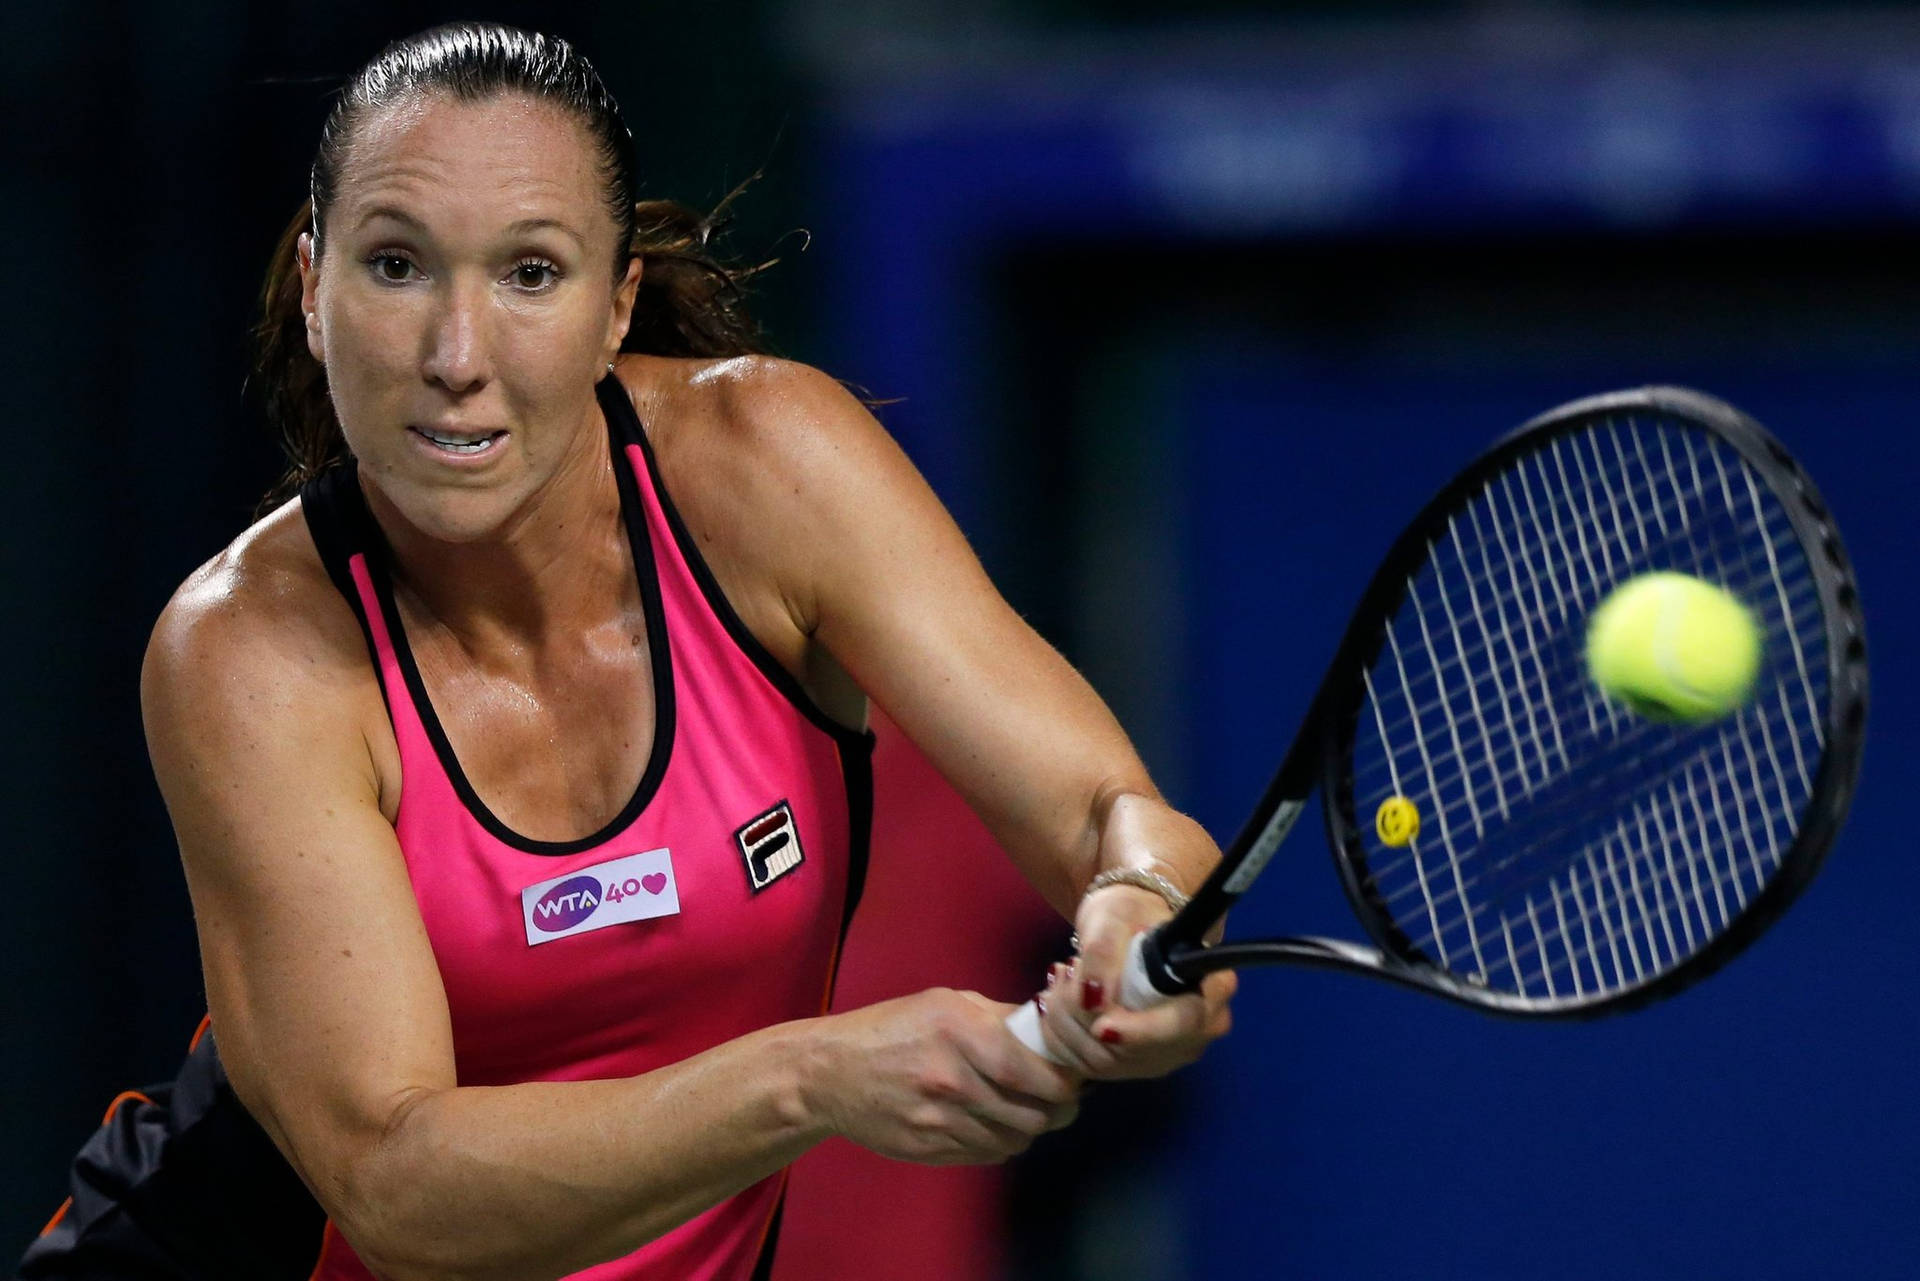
[(777, 471), (758, 406), (266, 595), (257, 634), (764, 459)]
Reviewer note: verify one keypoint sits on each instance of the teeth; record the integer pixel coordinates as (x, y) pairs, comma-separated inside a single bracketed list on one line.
[(459, 444)]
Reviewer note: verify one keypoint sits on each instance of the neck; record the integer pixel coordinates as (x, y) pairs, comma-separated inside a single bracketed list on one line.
[(557, 564)]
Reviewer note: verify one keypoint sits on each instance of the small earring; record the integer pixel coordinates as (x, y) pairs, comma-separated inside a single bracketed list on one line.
[(609, 366)]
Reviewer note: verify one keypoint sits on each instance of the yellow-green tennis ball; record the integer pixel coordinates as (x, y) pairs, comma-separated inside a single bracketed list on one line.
[(1673, 648)]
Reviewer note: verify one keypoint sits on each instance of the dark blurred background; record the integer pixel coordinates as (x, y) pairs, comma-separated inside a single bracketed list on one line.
[(1185, 307)]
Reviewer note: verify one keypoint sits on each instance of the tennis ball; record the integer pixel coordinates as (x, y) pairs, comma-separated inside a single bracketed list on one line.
[(1673, 648)]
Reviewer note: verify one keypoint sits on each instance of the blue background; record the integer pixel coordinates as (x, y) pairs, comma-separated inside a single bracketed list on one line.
[(1230, 482)]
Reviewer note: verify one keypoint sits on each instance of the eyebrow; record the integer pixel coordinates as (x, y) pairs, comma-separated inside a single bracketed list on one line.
[(517, 227), (390, 211)]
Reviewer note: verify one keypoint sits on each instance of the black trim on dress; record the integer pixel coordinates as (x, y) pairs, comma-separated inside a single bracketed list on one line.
[(856, 745), (763, 1269), (336, 523), (856, 768), (743, 637), (351, 511)]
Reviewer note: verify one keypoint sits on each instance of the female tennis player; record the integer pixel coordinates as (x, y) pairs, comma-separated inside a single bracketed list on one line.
[(517, 762)]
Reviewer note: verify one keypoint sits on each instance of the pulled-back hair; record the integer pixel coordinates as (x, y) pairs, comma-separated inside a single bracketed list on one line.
[(690, 301)]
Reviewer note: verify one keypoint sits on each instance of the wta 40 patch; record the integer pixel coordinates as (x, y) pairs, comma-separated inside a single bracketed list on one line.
[(770, 844), (638, 887)]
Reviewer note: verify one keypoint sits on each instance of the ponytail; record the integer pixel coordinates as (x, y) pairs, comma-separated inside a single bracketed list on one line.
[(690, 303), (292, 383)]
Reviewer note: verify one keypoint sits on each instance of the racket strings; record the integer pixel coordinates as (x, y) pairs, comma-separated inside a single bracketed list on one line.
[(1474, 658), (1612, 936), (1476, 667), (1566, 671), (1623, 898), (1514, 770), (1569, 846), (1754, 560), (1600, 785), (1636, 734), (1530, 492), (1638, 913), (1477, 955)]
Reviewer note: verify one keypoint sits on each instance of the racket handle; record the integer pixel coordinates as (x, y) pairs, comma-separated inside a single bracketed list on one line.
[(1137, 992)]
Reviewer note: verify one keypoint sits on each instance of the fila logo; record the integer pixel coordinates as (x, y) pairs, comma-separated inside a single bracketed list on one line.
[(771, 846)]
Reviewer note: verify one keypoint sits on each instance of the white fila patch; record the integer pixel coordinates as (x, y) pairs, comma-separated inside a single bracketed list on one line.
[(770, 844), (637, 887)]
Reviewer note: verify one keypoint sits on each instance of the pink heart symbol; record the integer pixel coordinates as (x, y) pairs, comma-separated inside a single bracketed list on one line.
[(654, 882)]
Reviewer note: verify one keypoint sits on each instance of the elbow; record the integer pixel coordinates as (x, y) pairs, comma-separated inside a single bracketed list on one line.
[(383, 1204), (403, 1244), (402, 1212)]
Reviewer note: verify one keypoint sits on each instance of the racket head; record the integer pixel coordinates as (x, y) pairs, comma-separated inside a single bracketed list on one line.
[(1574, 859)]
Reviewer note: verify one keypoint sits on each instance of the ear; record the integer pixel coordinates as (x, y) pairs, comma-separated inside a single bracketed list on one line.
[(623, 295), (309, 293)]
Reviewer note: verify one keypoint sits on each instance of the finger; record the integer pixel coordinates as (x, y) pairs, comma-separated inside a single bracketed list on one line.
[(1065, 1038), (1095, 974), (1218, 989), (967, 1139), (1081, 1044), (1018, 1113), (1009, 1066), (1058, 1052), (1184, 1018)]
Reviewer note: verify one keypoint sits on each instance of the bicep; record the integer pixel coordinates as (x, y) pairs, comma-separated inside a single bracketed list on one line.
[(900, 600), (320, 980)]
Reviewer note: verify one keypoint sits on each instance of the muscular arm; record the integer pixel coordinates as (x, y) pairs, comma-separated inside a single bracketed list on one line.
[(873, 568), (334, 1027)]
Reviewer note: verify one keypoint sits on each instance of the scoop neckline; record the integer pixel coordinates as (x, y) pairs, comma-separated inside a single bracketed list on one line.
[(659, 652)]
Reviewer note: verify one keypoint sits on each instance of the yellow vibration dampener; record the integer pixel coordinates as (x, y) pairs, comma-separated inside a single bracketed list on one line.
[(1397, 820)]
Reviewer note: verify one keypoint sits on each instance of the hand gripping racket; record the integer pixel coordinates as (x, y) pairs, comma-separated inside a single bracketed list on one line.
[(1511, 838)]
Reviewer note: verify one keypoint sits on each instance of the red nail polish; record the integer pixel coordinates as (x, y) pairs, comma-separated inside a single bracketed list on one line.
[(1053, 972), (1040, 1004), (1092, 995), (1110, 1036)]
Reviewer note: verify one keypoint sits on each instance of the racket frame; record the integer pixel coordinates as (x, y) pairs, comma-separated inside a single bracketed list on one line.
[(1174, 956)]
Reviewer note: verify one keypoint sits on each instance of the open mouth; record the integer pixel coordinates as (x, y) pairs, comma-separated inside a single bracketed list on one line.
[(462, 443)]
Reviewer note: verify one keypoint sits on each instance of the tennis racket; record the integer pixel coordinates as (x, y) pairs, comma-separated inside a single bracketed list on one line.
[(1572, 857)]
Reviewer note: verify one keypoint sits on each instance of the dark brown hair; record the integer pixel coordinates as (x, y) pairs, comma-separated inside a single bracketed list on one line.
[(691, 301)]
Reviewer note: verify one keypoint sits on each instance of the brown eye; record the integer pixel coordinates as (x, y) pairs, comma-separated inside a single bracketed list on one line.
[(533, 275), (391, 267)]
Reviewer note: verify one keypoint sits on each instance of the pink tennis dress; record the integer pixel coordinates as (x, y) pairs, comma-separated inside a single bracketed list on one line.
[(712, 905)]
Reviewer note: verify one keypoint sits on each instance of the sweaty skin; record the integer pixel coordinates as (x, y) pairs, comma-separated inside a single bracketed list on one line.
[(463, 291)]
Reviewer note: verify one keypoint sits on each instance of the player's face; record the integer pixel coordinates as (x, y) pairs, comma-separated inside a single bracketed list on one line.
[(464, 306)]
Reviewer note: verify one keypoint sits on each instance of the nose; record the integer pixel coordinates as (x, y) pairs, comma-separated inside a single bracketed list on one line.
[(456, 354)]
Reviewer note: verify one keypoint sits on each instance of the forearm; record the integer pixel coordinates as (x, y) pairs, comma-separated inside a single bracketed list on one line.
[(541, 1179)]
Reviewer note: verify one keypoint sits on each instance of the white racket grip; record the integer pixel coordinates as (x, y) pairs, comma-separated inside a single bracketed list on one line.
[(1137, 992), (1024, 1023)]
